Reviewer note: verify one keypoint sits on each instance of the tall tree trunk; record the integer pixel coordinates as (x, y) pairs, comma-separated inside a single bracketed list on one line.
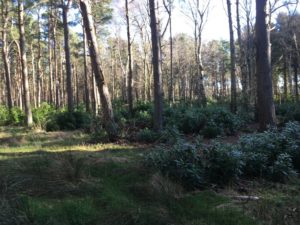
[(285, 77), (158, 93), (296, 66), (129, 80), (5, 19), (86, 80), (242, 61), (233, 104), (50, 34), (266, 108), (28, 113), (39, 70), (108, 116), (67, 55), (33, 76)]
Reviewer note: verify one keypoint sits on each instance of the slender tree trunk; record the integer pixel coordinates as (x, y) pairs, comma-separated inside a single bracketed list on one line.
[(266, 108), (33, 76), (5, 59), (39, 70), (296, 66), (28, 113), (129, 88), (233, 104), (285, 77), (50, 34), (242, 60), (67, 55), (158, 93), (86, 80), (108, 116)]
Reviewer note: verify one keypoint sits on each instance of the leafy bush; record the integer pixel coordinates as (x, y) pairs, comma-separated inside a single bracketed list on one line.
[(143, 119), (40, 115), (17, 116), (170, 135), (148, 136), (4, 115), (273, 154), (68, 121), (182, 163), (288, 112), (211, 130), (192, 121), (210, 121), (222, 163)]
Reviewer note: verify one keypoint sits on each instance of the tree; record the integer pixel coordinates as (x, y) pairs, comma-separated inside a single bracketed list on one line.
[(108, 116), (5, 19), (65, 10), (233, 104), (266, 108), (158, 92), (24, 70), (129, 80), (199, 13)]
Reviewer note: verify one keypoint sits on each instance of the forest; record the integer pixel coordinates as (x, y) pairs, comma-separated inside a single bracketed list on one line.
[(149, 112)]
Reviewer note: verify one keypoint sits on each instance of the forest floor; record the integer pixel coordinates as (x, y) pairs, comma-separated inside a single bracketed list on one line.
[(59, 178)]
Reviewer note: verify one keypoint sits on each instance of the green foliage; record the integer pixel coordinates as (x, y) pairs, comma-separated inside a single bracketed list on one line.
[(4, 115), (41, 114), (17, 116), (211, 130), (288, 112), (181, 163), (68, 121), (210, 122), (148, 136), (273, 154), (222, 163)]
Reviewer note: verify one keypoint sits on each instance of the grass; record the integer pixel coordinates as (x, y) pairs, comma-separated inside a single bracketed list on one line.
[(60, 179)]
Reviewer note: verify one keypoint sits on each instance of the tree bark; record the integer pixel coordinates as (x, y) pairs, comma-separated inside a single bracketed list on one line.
[(266, 108), (86, 80), (27, 105), (158, 93), (129, 80), (108, 116), (233, 103), (242, 61), (5, 19), (67, 55)]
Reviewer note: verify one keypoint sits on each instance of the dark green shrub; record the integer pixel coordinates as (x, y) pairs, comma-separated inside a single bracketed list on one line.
[(288, 112), (147, 136), (68, 121), (211, 130), (4, 115), (222, 163), (282, 169), (143, 119), (273, 154), (41, 114), (170, 135), (291, 132), (181, 163), (227, 121), (192, 121), (142, 106), (17, 116)]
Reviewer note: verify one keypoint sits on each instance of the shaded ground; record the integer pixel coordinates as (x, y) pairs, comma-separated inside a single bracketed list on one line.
[(60, 179)]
